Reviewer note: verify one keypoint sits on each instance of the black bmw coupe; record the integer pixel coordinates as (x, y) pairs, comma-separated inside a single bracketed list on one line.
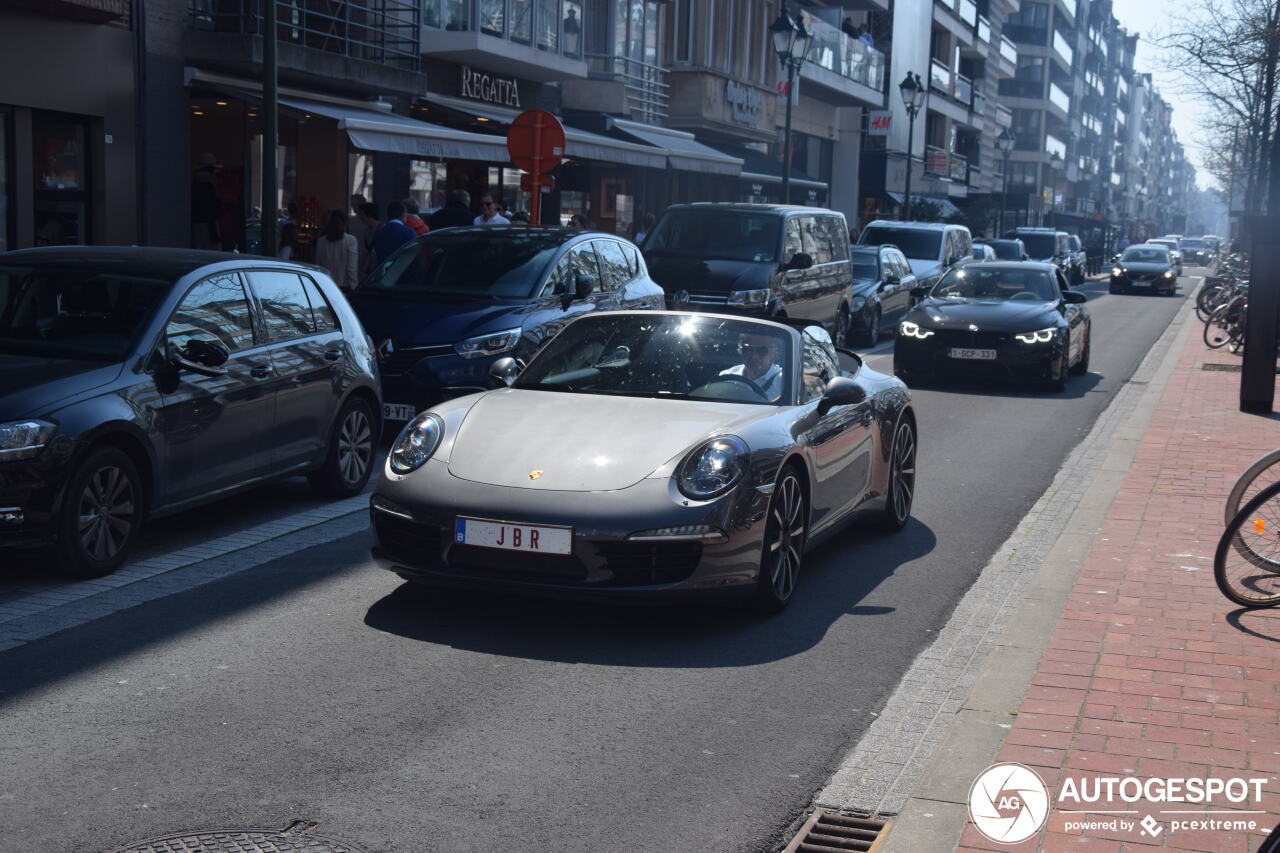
[(1013, 320)]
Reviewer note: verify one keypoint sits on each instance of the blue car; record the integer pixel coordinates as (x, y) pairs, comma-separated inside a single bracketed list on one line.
[(448, 304)]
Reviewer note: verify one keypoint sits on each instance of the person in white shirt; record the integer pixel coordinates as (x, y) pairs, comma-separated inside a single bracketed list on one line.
[(339, 252), (489, 214), (759, 364)]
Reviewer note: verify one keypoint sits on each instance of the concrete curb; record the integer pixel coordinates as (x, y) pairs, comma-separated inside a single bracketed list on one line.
[(950, 714)]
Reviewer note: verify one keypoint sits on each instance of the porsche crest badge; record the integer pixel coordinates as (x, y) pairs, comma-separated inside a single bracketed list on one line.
[(535, 474)]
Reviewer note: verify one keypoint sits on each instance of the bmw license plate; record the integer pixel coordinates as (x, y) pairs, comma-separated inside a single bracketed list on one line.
[(398, 411), (973, 354), (505, 536)]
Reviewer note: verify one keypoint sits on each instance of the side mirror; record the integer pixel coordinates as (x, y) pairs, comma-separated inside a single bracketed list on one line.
[(841, 391), (583, 285), (1074, 297), (919, 292), (505, 370), (205, 358), (890, 280), (800, 261)]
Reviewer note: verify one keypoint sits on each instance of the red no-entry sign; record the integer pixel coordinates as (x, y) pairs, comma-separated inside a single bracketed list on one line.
[(535, 142)]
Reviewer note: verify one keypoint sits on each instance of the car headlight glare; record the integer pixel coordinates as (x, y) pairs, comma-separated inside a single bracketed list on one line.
[(1116, 271), (492, 344), (24, 439), (1041, 337), (1168, 273), (416, 443), (913, 330), (713, 468), (748, 297)]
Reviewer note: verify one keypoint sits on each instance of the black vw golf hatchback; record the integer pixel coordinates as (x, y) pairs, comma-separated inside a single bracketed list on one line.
[(136, 382)]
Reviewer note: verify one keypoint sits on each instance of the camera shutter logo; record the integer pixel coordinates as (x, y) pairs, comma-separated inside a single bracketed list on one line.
[(1008, 803)]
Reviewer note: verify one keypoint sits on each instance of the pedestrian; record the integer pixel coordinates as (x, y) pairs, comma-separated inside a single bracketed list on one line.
[(490, 213), (848, 28), (864, 35), (521, 217), (357, 228), (204, 210), (646, 225), (367, 213), (455, 213), (288, 250), (579, 221), (339, 252), (412, 219), (392, 234)]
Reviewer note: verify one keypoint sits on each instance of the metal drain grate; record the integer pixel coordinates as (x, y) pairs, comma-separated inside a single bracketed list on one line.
[(831, 832), (289, 840), (1225, 368)]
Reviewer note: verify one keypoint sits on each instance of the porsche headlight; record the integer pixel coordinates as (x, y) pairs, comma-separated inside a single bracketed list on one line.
[(913, 330), (1041, 337), (24, 439), (493, 344), (748, 297), (713, 468), (416, 442)]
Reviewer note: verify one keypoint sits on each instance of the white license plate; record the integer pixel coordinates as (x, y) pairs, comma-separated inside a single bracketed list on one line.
[(398, 412), (530, 538), (1141, 284), (976, 354)]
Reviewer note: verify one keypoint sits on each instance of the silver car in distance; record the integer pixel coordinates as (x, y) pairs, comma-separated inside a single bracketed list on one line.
[(649, 454)]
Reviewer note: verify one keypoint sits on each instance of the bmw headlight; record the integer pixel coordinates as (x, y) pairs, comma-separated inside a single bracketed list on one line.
[(24, 439), (713, 469), (913, 330), (492, 344), (857, 303), (1041, 337), (748, 297), (416, 442)]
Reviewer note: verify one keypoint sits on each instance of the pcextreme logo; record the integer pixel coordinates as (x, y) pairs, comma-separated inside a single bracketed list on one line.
[(1008, 803)]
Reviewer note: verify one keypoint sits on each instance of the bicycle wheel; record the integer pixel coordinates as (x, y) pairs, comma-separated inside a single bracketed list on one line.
[(1217, 329), (1262, 473), (1246, 564)]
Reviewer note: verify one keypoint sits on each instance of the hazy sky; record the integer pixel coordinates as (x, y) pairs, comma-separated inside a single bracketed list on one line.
[(1151, 18)]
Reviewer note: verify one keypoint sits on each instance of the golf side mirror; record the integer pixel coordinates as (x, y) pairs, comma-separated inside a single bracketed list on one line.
[(202, 357)]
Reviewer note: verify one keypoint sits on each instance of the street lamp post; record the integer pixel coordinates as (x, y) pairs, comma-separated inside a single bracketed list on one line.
[(913, 93), (791, 41), (1005, 142)]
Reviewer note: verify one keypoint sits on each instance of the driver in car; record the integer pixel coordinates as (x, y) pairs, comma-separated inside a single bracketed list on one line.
[(759, 364)]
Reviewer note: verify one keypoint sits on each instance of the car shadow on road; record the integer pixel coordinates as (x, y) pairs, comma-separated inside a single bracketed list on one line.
[(1077, 387), (836, 579)]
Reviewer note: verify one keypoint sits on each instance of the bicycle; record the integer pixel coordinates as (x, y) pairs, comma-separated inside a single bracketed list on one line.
[(1246, 563), (1264, 471), (1226, 324)]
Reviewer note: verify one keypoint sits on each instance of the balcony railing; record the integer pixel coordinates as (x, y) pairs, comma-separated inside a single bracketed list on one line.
[(1008, 50), (940, 77), (978, 104), (1059, 98), (969, 12), (645, 84), (945, 164), (974, 178), (959, 168), (386, 33), (983, 29), (849, 57), (964, 90), (1061, 47)]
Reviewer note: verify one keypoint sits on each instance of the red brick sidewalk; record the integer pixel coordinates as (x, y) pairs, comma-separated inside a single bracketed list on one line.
[(1145, 674)]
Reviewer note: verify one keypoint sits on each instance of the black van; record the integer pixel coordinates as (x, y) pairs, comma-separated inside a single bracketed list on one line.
[(762, 259)]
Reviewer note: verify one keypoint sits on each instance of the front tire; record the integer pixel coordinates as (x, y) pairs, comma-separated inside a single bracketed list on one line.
[(1082, 366), (1058, 382), (101, 515), (349, 462), (870, 336), (786, 526), (901, 490)]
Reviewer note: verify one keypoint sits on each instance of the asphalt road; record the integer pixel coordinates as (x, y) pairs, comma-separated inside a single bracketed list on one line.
[(319, 688)]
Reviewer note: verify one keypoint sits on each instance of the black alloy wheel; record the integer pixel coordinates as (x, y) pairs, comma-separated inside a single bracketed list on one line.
[(871, 335), (786, 525), (349, 462), (101, 514), (902, 479)]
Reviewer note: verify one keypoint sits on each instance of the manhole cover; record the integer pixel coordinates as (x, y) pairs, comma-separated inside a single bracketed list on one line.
[(243, 841), (827, 832), (1226, 368)]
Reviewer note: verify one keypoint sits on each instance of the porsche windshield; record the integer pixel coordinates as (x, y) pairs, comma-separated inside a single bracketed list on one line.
[(468, 263), (723, 235), (74, 311), (995, 284), (666, 356)]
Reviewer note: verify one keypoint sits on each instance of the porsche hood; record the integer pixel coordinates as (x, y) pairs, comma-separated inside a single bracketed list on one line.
[(581, 442)]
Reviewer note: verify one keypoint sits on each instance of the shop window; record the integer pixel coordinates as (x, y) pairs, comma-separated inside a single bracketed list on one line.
[(522, 20), (61, 177), (491, 16), (549, 24), (427, 184), (572, 38), (457, 14), (360, 172)]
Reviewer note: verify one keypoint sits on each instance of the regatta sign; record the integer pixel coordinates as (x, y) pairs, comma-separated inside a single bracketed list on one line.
[(491, 89)]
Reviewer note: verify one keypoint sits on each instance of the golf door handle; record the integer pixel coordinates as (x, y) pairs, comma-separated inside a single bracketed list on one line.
[(332, 354), (260, 372)]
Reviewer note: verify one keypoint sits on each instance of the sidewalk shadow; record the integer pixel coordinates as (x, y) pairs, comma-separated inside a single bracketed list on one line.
[(835, 578), (1270, 619)]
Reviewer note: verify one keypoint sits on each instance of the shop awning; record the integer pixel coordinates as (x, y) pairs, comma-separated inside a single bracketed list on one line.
[(761, 168), (372, 130), (579, 144), (948, 209), (684, 152)]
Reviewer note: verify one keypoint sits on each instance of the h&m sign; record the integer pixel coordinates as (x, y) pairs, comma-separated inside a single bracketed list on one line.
[(490, 88)]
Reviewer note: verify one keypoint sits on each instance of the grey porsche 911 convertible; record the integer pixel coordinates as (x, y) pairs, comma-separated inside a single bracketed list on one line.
[(652, 453)]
